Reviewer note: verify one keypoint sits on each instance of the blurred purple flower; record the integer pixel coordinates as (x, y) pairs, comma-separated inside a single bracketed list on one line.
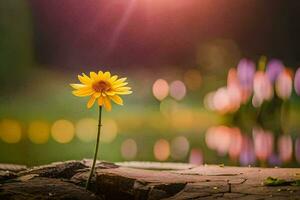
[(297, 81), (245, 72), (247, 155), (262, 87), (274, 160), (284, 85), (274, 68)]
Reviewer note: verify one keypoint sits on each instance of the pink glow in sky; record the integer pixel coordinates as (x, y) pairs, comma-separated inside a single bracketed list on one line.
[(127, 32)]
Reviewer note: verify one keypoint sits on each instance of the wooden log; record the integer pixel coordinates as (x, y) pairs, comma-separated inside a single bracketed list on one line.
[(144, 180)]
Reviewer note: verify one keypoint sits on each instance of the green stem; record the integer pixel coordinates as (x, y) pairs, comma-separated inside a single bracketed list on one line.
[(96, 150)]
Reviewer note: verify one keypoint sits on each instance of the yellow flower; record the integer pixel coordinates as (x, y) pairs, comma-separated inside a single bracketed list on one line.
[(101, 87)]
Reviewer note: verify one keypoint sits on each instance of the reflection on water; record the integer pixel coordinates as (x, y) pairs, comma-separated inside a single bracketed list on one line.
[(257, 103), (259, 146), (38, 142)]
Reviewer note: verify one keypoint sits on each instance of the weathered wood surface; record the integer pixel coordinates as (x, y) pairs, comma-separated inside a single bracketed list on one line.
[(136, 180)]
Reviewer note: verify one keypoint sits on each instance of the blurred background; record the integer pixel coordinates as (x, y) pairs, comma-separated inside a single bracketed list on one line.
[(214, 81)]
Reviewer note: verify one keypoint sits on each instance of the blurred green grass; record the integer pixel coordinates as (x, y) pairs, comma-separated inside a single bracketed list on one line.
[(47, 96)]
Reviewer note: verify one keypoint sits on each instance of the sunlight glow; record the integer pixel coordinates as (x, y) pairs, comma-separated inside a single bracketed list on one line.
[(160, 89), (10, 131), (179, 147), (161, 150), (129, 149), (86, 129), (38, 132), (62, 131), (109, 131)]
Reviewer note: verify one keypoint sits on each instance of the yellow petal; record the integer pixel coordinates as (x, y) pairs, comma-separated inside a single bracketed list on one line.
[(106, 75), (120, 84), (77, 86), (121, 89), (121, 80), (113, 78), (84, 79), (124, 92), (107, 104), (97, 94), (94, 76), (86, 90), (117, 99), (100, 101), (91, 102), (100, 74), (111, 93), (82, 93), (85, 76)]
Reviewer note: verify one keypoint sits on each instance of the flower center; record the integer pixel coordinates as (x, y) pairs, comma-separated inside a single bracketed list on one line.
[(101, 86)]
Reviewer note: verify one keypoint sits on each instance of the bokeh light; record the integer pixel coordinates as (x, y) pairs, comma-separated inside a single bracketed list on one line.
[(161, 150), (224, 137), (236, 143), (232, 78), (38, 132), (109, 131), (10, 131), (245, 72), (234, 90), (297, 81), (209, 101), (62, 131), (129, 149), (285, 146), (160, 89), (210, 136), (179, 147), (221, 100), (219, 138), (262, 87), (192, 79), (284, 85), (196, 157), (263, 143), (235, 97), (177, 90), (247, 155), (274, 68), (86, 129)]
